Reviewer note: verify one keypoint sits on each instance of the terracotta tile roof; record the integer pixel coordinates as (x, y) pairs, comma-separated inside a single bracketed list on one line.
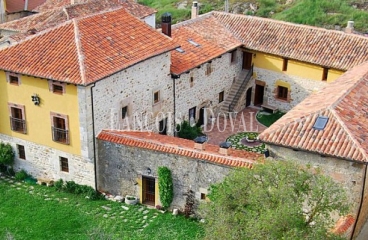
[(214, 40), (13, 6), (58, 15), (82, 51), (333, 49), (345, 103), (131, 6), (179, 146), (344, 224)]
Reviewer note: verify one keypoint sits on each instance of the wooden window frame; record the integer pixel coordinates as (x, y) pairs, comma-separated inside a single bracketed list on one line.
[(21, 152), (52, 86), (281, 94), (16, 122), (203, 196), (285, 64), (10, 77), (64, 164), (156, 97), (221, 96), (194, 109), (54, 130), (325, 74)]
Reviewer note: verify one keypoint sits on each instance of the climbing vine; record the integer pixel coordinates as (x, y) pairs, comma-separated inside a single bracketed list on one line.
[(166, 187)]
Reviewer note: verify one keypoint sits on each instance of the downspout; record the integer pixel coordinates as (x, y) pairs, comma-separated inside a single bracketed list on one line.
[(174, 77), (361, 203), (94, 138)]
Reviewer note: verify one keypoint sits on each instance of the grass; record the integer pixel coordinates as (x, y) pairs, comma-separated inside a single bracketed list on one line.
[(237, 138), (39, 212), (269, 119)]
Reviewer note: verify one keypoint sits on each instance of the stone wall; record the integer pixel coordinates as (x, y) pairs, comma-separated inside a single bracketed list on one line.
[(42, 161), (134, 87), (120, 167), (350, 175), (205, 88), (300, 88)]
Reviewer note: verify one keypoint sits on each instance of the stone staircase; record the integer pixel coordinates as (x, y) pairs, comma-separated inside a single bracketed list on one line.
[(235, 91)]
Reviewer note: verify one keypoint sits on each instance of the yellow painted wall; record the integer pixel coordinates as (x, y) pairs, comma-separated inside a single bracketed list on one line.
[(296, 68), (38, 117)]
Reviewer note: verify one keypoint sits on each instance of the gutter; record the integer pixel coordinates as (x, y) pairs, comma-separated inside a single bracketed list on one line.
[(94, 138), (174, 77)]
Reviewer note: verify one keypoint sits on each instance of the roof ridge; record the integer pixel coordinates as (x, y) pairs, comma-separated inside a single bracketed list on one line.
[(190, 21), (79, 51), (174, 146)]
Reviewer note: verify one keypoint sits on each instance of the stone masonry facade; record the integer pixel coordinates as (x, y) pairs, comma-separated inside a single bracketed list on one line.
[(120, 166), (44, 162)]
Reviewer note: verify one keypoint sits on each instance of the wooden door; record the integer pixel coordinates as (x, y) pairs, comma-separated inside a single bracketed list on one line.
[(148, 190), (247, 60), (258, 96)]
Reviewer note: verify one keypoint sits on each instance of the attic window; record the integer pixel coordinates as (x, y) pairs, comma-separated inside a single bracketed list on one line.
[(320, 123), (193, 43), (180, 50)]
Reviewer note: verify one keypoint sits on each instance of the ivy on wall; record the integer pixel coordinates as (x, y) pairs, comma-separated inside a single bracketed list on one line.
[(166, 187)]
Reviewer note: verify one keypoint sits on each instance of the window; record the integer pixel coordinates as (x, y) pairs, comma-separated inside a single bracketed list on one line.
[(221, 96), (56, 87), (156, 97), (285, 64), (324, 74), (191, 81), (17, 118), (192, 113), (21, 152), (282, 92), (124, 112), (60, 128), (233, 56), (320, 123), (208, 69), (64, 165), (203, 196), (12, 78)]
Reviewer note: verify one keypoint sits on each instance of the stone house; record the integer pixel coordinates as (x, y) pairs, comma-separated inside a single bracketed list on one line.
[(128, 163), (15, 9), (63, 85), (328, 130)]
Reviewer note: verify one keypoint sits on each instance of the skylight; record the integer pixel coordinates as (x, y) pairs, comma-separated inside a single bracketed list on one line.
[(320, 123), (193, 43), (180, 50)]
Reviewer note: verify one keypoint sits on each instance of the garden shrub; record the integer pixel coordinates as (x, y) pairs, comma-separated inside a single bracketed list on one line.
[(186, 131), (72, 187), (166, 187), (6, 158), (59, 185), (21, 175)]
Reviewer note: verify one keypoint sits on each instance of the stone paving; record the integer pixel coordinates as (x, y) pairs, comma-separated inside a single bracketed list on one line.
[(223, 127)]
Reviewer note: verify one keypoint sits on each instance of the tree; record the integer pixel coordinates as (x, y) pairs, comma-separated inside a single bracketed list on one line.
[(274, 200), (6, 154)]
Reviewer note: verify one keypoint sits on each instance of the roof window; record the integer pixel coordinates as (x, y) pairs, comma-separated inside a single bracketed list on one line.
[(193, 43), (180, 50), (320, 123)]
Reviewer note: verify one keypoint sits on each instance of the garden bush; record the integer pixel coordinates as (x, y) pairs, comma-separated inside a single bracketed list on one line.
[(73, 187), (21, 175), (186, 131)]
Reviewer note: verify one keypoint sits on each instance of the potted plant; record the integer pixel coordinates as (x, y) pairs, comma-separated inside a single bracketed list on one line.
[(251, 137), (131, 200)]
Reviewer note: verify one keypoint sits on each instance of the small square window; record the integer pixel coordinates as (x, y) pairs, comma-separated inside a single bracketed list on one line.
[(156, 97), (191, 81), (325, 74), (208, 69), (64, 165), (57, 89), (21, 152), (320, 123), (233, 56), (13, 79), (221, 96), (203, 196), (124, 112), (282, 92), (285, 64)]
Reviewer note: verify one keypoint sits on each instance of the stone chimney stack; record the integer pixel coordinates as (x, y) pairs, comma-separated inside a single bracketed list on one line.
[(350, 27), (166, 24), (195, 9)]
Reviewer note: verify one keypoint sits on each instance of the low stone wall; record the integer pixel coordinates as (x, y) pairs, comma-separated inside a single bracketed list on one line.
[(42, 161), (120, 168)]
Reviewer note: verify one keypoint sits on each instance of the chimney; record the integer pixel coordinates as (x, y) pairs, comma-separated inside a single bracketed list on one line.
[(225, 148), (166, 24), (350, 27), (195, 9), (199, 142), (26, 5)]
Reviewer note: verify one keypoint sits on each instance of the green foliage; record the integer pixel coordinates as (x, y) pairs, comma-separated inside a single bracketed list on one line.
[(6, 154), (274, 200), (21, 175), (72, 187), (268, 119), (165, 185), (186, 131)]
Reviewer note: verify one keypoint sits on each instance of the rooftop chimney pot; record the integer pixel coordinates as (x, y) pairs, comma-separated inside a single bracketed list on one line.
[(195, 9), (166, 24), (350, 27)]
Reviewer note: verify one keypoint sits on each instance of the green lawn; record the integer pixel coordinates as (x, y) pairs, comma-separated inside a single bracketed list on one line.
[(39, 212), (268, 119)]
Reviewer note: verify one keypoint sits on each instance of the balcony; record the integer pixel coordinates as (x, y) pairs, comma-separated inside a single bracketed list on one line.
[(60, 135), (18, 125)]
